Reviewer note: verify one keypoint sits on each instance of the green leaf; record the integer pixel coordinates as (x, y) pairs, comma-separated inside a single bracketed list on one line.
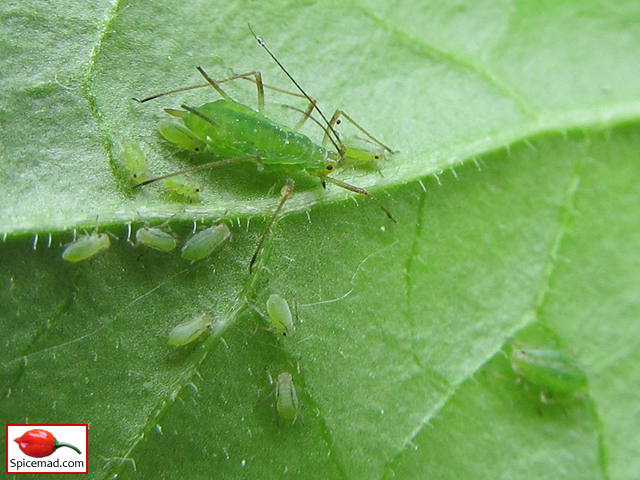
[(516, 196)]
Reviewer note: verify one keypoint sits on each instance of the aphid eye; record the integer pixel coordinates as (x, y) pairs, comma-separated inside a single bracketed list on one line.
[(377, 157), (329, 167)]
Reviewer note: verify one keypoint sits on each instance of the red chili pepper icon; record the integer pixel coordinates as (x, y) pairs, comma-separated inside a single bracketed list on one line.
[(39, 443)]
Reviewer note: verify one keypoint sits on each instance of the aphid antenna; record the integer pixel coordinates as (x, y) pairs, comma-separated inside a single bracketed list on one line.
[(335, 138), (307, 115)]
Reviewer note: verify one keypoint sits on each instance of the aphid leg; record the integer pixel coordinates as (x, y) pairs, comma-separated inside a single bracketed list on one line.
[(286, 192), (305, 113), (361, 191), (335, 120), (258, 81), (205, 166)]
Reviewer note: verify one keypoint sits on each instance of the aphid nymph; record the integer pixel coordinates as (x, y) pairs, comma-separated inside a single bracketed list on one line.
[(190, 330), (86, 247), (156, 239), (184, 186), (287, 403), (203, 243), (551, 369), (280, 316), (136, 162)]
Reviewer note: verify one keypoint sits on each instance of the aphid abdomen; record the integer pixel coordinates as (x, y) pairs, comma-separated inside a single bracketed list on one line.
[(287, 402), (239, 131)]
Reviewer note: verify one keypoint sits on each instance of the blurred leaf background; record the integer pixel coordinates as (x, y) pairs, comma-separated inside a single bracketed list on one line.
[(516, 195)]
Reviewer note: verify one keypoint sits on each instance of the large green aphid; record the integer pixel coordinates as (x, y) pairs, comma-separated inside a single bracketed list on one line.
[(86, 247), (551, 369), (203, 243), (237, 133)]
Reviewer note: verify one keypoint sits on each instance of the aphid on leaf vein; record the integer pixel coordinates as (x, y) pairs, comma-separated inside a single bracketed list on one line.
[(203, 243), (156, 239), (86, 247), (238, 133), (190, 330)]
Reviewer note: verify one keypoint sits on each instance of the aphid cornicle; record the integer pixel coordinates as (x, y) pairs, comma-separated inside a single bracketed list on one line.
[(156, 239), (203, 243), (190, 330), (86, 246), (237, 133), (287, 403), (551, 369)]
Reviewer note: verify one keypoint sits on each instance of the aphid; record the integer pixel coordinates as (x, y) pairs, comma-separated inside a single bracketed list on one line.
[(280, 316), (551, 369), (86, 246), (156, 239), (204, 242), (136, 162), (176, 133), (287, 403), (183, 186), (237, 133), (190, 330), (361, 151)]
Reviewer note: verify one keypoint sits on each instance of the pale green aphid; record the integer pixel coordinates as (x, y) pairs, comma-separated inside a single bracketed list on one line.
[(551, 369), (183, 186), (136, 162), (190, 330), (156, 239), (279, 315), (287, 403), (236, 133), (86, 247), (362, 151), (203, 243), (181, 136)]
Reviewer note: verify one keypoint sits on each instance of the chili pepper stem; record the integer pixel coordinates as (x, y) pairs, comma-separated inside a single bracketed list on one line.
[(57, 445)]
